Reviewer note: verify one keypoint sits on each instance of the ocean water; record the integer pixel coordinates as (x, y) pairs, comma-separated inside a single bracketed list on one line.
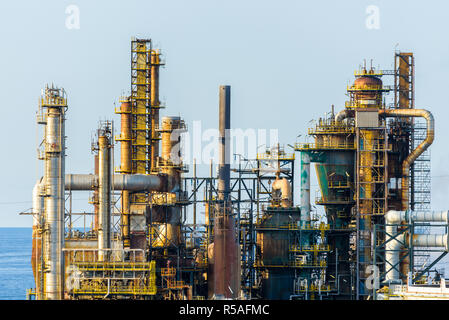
[(16, 275)]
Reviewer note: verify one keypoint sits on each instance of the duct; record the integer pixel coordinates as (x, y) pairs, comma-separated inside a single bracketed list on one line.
[(129, 182), (394, 244), (419, 150), (343, 114)]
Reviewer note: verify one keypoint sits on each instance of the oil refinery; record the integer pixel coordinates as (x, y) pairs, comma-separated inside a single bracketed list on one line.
[(369, 234)]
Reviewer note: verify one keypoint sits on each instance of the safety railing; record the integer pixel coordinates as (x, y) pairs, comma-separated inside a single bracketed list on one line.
[(324, 146)]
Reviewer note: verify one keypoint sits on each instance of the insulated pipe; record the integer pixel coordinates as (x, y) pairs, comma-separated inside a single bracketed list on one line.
[(104, 196), (394, 245), (129, 182), (419, 150), (305, 186)]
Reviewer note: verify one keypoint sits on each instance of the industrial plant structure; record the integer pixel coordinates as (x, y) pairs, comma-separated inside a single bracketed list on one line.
[(373, 168)]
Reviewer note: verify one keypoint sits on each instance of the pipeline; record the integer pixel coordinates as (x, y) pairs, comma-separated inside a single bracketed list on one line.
[(394, 242), (129, 182), (419, 149)]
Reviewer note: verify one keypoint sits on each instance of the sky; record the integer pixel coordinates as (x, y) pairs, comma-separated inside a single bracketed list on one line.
[(286, 61)]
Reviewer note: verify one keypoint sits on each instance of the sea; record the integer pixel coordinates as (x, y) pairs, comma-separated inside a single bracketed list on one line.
[(16, 274)]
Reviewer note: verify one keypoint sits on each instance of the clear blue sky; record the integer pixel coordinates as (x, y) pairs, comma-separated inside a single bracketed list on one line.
[(287, 62)]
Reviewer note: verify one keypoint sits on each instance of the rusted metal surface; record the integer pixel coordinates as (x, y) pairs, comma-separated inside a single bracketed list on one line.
[(155, 104), (226, 248), (125, 166)]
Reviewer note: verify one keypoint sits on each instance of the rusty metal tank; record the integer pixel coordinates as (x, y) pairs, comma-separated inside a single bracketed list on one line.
[(368, 90)]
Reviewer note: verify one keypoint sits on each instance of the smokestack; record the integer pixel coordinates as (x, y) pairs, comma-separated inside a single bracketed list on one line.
[(224, 145), (226, 247)]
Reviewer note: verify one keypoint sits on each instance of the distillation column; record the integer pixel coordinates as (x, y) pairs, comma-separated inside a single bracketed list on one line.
[(155, 105), (125, 165), (371, 175), (104, 191), (171, 165), (305, 187), (55, 103)]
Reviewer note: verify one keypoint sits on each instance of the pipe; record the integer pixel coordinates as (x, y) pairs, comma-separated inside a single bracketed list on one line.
[(343, 114), (128, 182), (36, 251), (95, 194), (104, 193), (419, 149), (394, 244)]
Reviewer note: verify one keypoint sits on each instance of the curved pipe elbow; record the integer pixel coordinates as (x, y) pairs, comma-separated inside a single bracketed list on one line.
[(344, 114), (430, 130), (419, 149)]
